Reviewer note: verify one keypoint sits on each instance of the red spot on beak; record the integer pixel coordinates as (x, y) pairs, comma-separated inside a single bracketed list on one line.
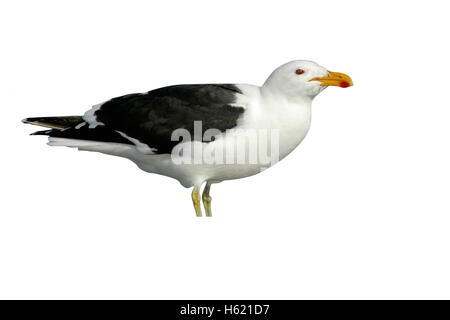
[(344, 84)]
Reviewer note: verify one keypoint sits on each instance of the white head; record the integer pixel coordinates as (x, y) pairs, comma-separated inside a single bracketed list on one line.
[(302, 78)]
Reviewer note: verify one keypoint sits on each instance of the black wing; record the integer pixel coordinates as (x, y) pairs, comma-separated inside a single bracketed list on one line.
[(152, 117)]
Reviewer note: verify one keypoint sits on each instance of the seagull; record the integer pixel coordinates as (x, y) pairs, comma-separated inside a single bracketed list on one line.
[(201, 133)]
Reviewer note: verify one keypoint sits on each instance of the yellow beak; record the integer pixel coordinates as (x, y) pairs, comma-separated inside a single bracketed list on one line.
[(335, 79)]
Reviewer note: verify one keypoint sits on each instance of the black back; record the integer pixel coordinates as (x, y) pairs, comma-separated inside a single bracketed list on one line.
[(153, 116)]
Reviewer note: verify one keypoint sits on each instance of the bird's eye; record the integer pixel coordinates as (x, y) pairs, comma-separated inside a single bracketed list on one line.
[(299, 71)]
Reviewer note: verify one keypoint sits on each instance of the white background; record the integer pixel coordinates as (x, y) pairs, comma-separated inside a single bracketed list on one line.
[(359, 210)]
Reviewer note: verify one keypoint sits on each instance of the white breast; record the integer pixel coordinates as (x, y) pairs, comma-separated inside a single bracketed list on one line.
[(264, 110)]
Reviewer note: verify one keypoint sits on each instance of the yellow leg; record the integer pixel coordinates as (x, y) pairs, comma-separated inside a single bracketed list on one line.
[(196, 200), (207, 200)]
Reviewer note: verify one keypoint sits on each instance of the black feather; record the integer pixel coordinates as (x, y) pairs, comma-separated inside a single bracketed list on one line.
[(153, 116)]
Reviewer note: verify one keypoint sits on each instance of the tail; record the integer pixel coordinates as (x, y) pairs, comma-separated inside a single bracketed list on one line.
[(58, 123), (75, 128)]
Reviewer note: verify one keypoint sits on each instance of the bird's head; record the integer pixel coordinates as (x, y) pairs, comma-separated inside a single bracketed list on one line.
[(302, 78)]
